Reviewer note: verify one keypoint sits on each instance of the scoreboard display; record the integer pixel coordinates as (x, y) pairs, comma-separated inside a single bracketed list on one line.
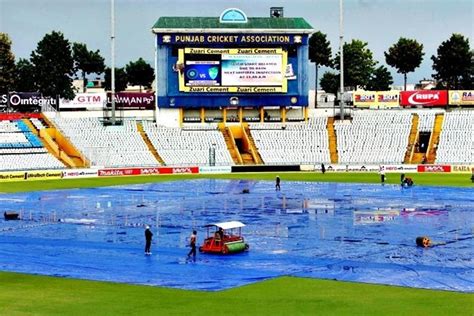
[(233, 70)]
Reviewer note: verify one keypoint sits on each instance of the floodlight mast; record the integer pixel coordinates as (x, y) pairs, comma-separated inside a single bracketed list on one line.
[(341, 59), (112, 67)]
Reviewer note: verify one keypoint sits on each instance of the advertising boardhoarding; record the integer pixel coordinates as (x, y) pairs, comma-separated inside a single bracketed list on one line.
[(461, 97), (425, 98), (26, 101), (434, 168), (84, 101), (376, 99), (118, 172), (133, 100)]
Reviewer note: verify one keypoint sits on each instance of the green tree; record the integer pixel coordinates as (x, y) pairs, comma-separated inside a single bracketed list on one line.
[(121, 79), (320, 54), (330, 82), (140, 73), (380, 80), (87, 62), (406, 55), (25, 81), (54, 66), (467, 80), (358, 64), (7, 64), (454, 63)]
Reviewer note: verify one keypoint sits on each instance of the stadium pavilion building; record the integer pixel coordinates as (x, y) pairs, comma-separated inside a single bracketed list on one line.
[(231, 68)]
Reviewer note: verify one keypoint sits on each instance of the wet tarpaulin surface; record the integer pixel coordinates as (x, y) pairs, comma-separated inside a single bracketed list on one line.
[(353, 232)]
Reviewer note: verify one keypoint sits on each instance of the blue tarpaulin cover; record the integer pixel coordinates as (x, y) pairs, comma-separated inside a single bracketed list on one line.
[(352, 232)]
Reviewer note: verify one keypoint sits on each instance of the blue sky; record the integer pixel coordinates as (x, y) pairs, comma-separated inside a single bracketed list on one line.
[(379, 22)]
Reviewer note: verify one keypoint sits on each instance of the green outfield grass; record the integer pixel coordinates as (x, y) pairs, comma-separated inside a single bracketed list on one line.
[(440, 179), (22, 294), (26, 294)]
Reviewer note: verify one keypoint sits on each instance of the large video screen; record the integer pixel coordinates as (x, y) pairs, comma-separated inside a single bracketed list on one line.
[(239, 70), (252, 70), (202, 70)]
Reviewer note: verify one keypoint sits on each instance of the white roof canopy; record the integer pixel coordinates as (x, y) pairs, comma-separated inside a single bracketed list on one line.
[(228, 225)]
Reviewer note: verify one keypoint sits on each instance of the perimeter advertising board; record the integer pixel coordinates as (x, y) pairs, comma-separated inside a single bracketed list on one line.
[(31, 175), (84, 101), (344, 168), (388, 99), (118, 172), (232, 70), (462, 168), (365, 99), (133, 100), (425, 98), (79, 173), (26, 101), (461, 97), (434, 168), (379, 99)]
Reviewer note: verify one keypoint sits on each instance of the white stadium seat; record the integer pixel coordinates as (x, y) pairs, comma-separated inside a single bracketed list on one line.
[(295, 143), (108, 146), (456, 143), (22, 150), (373, 137), (188, 146)]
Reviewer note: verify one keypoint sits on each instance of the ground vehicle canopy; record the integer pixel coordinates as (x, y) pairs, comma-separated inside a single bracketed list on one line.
[(227, 225)]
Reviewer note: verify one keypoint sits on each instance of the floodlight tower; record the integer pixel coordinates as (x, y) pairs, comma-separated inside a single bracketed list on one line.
[(341, 58), (112, 62)]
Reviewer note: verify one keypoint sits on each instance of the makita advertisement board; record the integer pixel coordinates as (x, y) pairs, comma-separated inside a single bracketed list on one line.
[(425, 98), (118, 172)]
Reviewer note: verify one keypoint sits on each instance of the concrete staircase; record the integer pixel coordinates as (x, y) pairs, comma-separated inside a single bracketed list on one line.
[(231, 145), (31, 126), (57, 145), (434, 139), (247, 159), (253, 151), (332, 140), (50, 145), (64, 144), (412, 139), (149, 144), (417, 158)]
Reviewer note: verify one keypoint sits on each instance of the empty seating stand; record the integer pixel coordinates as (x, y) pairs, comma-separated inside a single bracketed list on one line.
[(456, 144), (373, 137), (107, 146), (20, 149), (189, 145), (292, 143)]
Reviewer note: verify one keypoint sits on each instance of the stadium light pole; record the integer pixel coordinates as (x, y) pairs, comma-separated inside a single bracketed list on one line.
[(156, 78), (112, 62), (341, 58)]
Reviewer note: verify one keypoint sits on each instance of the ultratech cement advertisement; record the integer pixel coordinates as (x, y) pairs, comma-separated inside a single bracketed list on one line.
[(31, 175)]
